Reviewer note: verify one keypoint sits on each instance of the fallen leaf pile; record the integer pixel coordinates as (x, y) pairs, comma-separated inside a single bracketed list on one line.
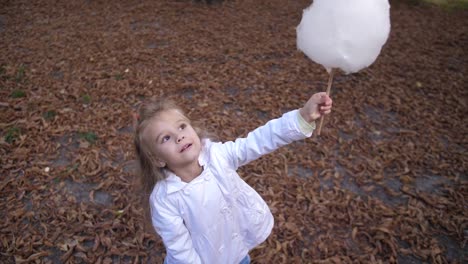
[(386, 182)]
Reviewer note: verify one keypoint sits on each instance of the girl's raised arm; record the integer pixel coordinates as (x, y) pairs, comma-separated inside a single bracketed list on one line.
[(263, 140), (292, 126)]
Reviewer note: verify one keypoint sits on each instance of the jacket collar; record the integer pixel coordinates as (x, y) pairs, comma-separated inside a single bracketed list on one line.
[(173, 182)]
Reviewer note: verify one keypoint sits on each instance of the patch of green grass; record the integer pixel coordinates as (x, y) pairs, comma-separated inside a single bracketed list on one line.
[(73, 167), (413, 2), (18, 94), (461, 4), (3, 74), (452, 4), (2, 70), (86, 98), (49, 115), (119, 77), (20, 73), (12, 134), (91, 137)]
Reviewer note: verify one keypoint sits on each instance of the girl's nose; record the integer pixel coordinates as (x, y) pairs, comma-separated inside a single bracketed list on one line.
[(179, 139)]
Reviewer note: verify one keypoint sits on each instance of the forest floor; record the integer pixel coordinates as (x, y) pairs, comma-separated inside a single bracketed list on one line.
[(386, 182)]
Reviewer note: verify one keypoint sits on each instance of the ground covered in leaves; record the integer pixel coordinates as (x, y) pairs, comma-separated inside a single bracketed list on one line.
[(385, 183)]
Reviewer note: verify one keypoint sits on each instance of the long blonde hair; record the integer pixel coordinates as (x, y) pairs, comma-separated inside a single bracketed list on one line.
[(148, 172)]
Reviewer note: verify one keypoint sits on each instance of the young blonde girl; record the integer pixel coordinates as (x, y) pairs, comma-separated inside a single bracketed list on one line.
[(198, 204)]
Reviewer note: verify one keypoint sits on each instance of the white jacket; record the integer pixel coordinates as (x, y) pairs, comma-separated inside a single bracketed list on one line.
[(218, 217)]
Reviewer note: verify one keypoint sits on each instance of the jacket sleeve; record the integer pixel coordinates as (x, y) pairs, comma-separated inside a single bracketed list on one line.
[(175, 235), (265, 139)]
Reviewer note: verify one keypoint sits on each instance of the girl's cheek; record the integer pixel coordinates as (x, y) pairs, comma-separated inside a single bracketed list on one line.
[(158, 149)]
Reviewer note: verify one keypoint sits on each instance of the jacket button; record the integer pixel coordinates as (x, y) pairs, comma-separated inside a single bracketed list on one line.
[(221, 248)]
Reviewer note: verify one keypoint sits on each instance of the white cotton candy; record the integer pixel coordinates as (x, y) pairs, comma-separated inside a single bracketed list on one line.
[(345, 34)]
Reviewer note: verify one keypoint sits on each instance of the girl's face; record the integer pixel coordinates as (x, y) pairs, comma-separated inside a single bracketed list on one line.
[(173, 140)]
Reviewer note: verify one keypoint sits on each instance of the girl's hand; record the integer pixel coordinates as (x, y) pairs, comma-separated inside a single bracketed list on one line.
[(318, 105)]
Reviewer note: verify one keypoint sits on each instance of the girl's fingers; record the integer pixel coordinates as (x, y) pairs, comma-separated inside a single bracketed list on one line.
[(325, 108)]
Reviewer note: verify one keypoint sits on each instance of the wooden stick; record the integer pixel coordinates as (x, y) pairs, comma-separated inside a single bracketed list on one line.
[(330, 81)]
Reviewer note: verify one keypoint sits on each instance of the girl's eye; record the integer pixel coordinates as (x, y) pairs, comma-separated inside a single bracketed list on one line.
[(182, 126), (165, 138)]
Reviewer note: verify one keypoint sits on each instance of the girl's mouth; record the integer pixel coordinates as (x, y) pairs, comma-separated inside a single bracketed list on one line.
[(185, 147)]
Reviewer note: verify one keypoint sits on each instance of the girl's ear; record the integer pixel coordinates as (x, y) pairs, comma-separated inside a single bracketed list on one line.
[(160, 163)]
